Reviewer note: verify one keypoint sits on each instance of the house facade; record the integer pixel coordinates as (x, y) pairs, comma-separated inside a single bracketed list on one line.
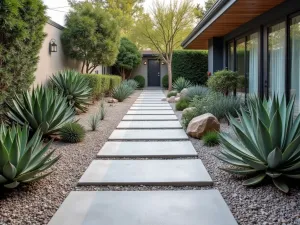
[(260, 39)]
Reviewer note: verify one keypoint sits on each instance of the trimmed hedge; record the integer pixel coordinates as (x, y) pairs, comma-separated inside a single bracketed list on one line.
[(141, 80), (165, 81), (190, 64), (102, 83)]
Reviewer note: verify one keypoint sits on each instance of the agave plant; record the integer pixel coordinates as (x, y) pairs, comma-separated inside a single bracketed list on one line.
[(23, 159), (196, 91), (131, 83), (122, 92), (181, 83), (266, 144), (94, 121), (74, 86), (43, 109)]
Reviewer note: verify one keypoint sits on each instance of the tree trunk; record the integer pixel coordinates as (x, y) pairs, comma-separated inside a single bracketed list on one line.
[(170, 76), (123, 74)]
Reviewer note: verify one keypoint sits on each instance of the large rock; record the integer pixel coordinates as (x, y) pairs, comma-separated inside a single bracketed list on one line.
[(202, 124), (112, 100), (171, 99), (164, 99), (187, 110), (183, 92), (177, 99)]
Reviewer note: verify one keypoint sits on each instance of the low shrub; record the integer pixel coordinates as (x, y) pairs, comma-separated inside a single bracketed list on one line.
[(131, 83), (23, 159), (115, 81), (165, 81), (182, 104), (181, 83), (42, 109), (198, 90), (172, 93), (141, 80), (265, 144), (122, 92), (187, 117), (73, 86), (72, 132), (94, 121), (211, 138)]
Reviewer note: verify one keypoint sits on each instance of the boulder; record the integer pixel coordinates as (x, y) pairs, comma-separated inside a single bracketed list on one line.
[(177, 99), (112, 100), (171, 99), (183, 92), (202, 124), (187, 110), (164, 99), (178, 95)]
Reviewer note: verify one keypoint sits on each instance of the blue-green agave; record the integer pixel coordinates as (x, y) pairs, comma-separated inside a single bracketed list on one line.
[(74, 86), (180, 83), (44, 109), (267, 142), (23, 159)]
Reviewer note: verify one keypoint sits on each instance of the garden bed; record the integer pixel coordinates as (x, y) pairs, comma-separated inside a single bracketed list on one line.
[(37, 202)]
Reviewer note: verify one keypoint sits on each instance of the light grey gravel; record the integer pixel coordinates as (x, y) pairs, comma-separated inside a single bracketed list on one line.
[(36, 203)]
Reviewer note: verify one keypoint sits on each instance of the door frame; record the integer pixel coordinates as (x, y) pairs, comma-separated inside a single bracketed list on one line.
[(148, 65)]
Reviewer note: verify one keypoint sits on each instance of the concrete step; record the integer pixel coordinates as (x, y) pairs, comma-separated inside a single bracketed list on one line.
[(150, 112), (150, 117), (149, 125), (151, 108), (151, 105)]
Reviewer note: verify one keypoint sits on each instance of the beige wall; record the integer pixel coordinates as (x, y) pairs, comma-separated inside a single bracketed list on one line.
[(143, 70), (56, 61)]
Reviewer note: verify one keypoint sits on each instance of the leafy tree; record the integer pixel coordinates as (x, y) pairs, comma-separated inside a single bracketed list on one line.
[(165, 27), (200, 11), (91, 36), (21, 37), (128, 58)]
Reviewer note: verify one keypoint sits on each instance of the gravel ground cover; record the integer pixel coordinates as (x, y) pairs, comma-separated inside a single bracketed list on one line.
[(36, 203)]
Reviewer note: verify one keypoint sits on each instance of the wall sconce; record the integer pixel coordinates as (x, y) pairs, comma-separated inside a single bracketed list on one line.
[(52, 46), (162, 63), (145, 63)]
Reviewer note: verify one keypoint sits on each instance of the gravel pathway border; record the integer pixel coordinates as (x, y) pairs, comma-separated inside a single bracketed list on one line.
[(36, 203)]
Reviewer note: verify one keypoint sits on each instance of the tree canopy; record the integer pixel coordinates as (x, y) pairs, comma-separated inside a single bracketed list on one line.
[(200, 11), (128, 58), (92, 36), (165, 27)]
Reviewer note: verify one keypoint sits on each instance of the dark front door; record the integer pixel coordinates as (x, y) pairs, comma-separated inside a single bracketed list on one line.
[(153, 73)]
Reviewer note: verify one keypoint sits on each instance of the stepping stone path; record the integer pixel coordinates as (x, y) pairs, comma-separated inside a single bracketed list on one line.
[(149, 130)]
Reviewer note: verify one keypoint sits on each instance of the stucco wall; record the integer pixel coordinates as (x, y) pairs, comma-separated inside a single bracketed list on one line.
[(143, 70), (56, 61)]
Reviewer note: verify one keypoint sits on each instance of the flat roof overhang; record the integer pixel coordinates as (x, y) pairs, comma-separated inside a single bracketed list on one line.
[(224, 17)]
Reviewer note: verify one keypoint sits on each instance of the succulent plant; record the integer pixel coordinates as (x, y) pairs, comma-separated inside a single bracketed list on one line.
[(43, 109), (72, 132), (196, 91), (23, 159), (131, 83), (94, 121), (122, 92), (74, 86), (171, 93), (102, 110), (266, 144), (181, 83)]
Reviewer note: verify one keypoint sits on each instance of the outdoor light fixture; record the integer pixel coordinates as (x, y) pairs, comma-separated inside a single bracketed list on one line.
[(163, 63), (52, 46), (145, 63)]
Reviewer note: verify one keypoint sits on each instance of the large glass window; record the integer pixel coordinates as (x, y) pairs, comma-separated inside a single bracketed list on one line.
[(252, 64), (276, 59), (295, 61), (231, 56), (240, 62)]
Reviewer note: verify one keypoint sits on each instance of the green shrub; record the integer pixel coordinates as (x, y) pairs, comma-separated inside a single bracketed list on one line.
[(73, 86), (190, 64), (196, 91), (225, 81), (42, 109), (22, 157), (72, 133), (131, 83), (182, 104), (165, 81), (122, 92), (22, 26), (141, 80), (266, 143), (187, 117), (181, 83), (172, 93), (211, 138)]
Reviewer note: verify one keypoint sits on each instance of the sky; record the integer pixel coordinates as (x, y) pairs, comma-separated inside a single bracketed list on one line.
[(57, 9)]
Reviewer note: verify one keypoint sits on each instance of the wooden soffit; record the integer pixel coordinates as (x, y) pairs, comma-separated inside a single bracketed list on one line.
[(236, 13)]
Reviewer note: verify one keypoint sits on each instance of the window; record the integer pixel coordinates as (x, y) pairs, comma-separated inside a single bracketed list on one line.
[(295, 61), (252, 64), (231, 56), (240, 62), (276, 59)]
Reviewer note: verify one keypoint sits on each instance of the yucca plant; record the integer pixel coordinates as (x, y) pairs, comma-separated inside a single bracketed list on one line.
[(23, 159), (102, 111), (72, 132), (74, 86), (181, 83), (131, 83), (266, 144), (94, 121), (43, 109), (197, 90), (122, 92)]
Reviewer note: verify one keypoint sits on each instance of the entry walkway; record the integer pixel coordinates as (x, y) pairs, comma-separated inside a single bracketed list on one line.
[(151, 131)]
